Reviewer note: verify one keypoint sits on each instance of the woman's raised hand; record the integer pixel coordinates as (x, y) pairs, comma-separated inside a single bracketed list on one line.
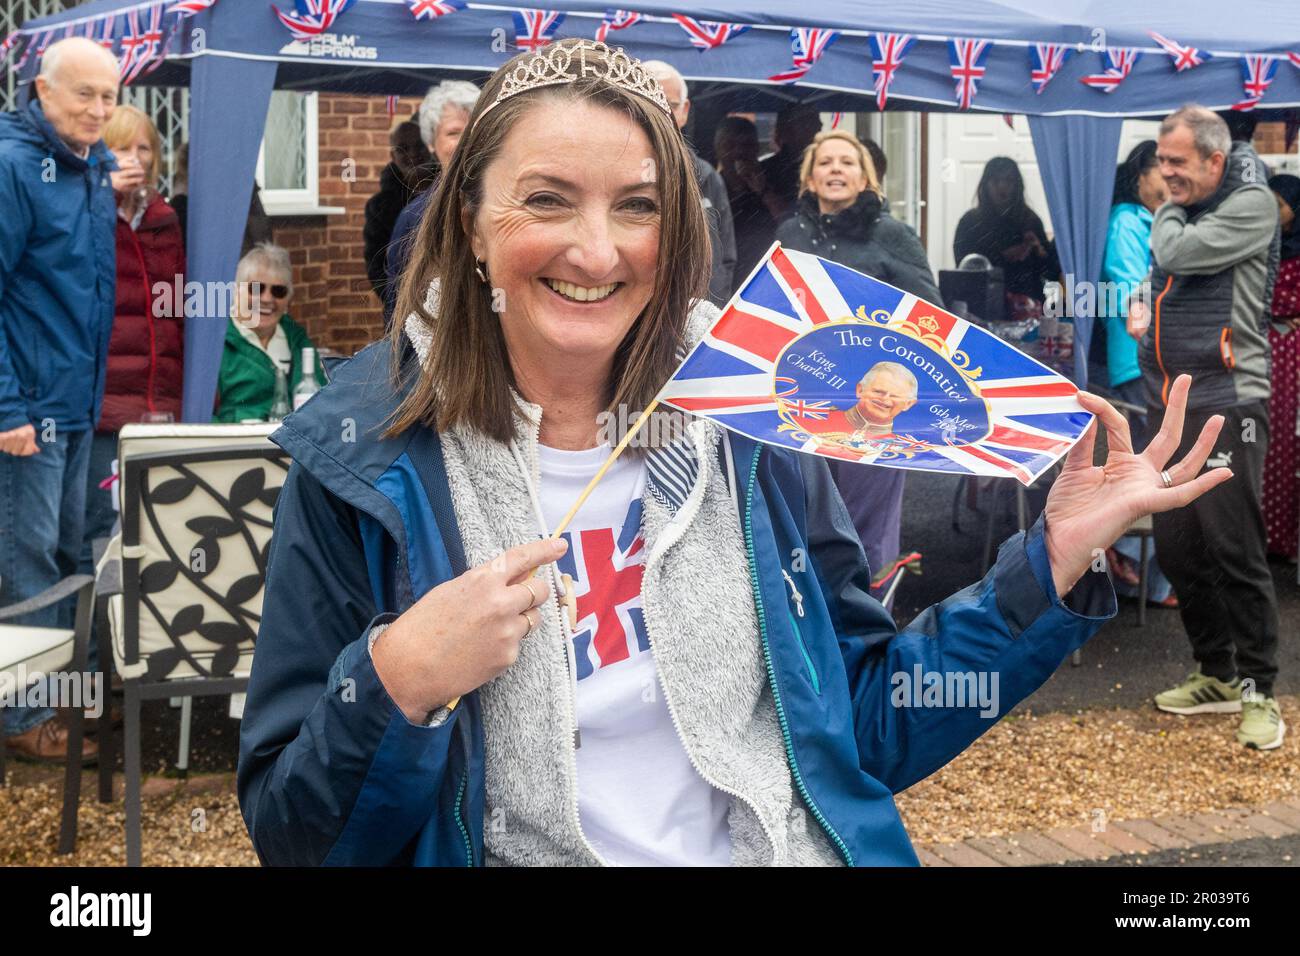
[(465, 631), (1090, 506)]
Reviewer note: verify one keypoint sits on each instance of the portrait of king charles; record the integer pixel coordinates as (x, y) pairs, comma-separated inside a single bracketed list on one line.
[(885, 392)]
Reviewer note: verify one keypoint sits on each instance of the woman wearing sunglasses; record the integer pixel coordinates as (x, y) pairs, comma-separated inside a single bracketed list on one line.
[(261, 337)]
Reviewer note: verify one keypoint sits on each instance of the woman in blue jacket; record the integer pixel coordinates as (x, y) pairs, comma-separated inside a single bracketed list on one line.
[(716, 686), (1139, 192)]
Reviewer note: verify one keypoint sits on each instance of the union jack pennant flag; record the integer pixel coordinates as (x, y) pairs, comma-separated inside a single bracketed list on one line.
[(1257, 72), (188, 8), (312, 17), (107, 27), (7, 45), (615, 20), (816, 357), (535, 28), (887, 52), (1045, 61), (708, 35), (1184, 57), (806, 48), (1295, 59), (432, 9), (966, 58), (1118, 63), (35, 44), (129, 46), (148, 52)]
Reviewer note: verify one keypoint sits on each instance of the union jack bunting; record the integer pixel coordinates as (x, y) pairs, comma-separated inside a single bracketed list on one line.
[(1045, 61), (813, 356), (1257, 72), (535, 28), (1295, 59), (708, 35), (187, 8), (615, 20), (312, 17), (1184, 57), (806, 48), (390, 105), (7, 45), (129, 46), (887, 52), (148, 54), (35, 44), (1118, 63), (432, 9), (29, 44), (966, 58), (107, 26)]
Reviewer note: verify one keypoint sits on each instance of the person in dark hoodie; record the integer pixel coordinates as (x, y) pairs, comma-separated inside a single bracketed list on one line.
[(839, 217), (1214, 248), (398, 183), (57, 272), (1003, 229), (443, 117)]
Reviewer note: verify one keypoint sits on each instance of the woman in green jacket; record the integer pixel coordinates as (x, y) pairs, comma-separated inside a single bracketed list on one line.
[(259, 338)]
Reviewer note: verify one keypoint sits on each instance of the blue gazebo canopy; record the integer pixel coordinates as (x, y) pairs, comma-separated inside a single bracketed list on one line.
[(235, 53)]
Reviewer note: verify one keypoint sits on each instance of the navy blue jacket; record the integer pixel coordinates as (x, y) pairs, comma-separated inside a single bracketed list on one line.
[(58, 269), (399, 249), (332, 772)]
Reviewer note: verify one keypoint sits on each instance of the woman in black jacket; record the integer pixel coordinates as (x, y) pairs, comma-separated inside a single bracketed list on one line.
[(840, 217), (1009, 234)]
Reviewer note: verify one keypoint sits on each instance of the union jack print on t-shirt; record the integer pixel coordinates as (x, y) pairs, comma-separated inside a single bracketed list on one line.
[(606, 565)]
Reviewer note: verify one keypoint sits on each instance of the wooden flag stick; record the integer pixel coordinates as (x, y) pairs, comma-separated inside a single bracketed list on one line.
[(591, 485)]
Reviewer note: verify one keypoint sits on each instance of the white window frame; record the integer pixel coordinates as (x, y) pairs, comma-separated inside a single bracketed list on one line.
[(305, 201)]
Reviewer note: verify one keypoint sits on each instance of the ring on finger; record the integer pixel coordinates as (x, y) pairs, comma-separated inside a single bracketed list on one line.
[(1168, 481), (532, 596), (528, 583), (531, 626)]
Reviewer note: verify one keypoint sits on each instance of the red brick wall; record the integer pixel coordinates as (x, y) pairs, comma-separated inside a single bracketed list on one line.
[(332, 298)]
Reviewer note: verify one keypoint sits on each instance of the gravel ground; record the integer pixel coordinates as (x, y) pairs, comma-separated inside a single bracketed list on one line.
[(184, 825), (1039, 772), (1030, 771)]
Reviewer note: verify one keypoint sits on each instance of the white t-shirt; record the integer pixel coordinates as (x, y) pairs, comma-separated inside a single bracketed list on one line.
[(640, 801)]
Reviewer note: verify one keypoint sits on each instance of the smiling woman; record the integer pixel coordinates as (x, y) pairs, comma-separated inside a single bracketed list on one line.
[(589, 160), (694, 672)]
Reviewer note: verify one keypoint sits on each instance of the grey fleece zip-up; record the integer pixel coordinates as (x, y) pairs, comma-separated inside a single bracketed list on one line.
[(713, 677), (1213, 266)]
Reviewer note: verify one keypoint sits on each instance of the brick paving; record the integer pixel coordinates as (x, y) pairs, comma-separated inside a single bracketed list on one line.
[(1118, 837)]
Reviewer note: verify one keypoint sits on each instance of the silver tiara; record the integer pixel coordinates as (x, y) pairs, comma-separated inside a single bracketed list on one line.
[(557, 64)]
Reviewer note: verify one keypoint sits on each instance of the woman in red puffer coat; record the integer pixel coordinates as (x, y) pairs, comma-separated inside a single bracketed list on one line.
[(146, 351)]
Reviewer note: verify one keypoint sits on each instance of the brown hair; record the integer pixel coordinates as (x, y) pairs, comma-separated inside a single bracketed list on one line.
[(123, 126), (467, 377), (864, 159)]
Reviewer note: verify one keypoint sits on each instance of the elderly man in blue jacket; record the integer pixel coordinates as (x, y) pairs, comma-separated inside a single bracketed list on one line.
[(57, 267)]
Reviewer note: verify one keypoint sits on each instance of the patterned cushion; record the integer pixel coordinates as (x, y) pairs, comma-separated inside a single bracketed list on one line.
[(196, 528)]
